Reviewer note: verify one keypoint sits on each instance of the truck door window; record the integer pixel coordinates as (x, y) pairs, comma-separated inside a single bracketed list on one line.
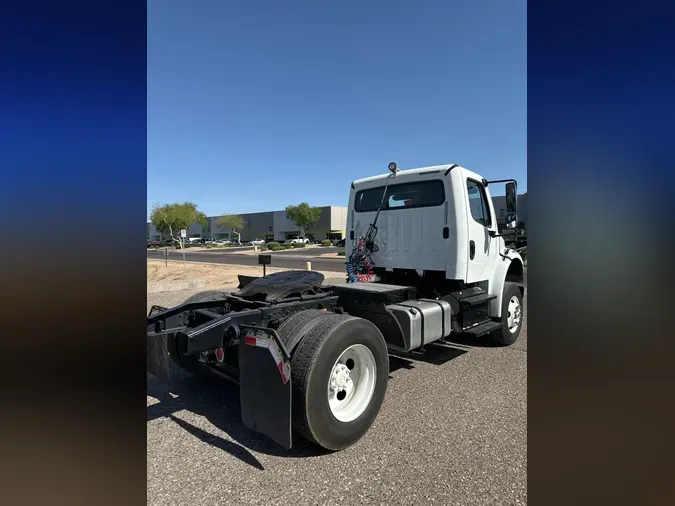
[(480, 211)]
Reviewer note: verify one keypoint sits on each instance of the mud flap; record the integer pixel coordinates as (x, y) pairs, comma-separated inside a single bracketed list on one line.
[(158, 357), (265, 384)]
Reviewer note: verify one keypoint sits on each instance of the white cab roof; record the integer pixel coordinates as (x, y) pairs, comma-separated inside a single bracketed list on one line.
[(402, 172)]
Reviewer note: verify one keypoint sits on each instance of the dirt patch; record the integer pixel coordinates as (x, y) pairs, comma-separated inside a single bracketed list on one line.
[(215, 275)]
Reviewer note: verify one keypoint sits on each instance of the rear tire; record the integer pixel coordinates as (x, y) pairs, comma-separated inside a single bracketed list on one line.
[(297, 326), (190, 363), (319, 378), (512, 316)]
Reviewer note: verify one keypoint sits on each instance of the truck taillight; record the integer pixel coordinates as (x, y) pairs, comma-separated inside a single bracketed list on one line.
[(220, 355)]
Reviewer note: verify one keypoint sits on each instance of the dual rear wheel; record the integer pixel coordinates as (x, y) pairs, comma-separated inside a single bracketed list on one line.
[(340, 371)]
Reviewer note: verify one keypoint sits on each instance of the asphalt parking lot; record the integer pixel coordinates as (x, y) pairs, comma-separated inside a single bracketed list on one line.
[(452, 430), (285, 260)]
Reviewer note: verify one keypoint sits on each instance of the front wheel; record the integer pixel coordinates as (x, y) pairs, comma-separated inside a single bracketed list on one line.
[(340, 372), (512, 316)]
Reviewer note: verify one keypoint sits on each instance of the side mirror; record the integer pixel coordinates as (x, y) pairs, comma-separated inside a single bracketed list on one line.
[(511, 220), (511, 200)]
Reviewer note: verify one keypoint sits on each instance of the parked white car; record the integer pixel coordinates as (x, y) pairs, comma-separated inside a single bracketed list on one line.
[(257, 242), (299, 240), (222, 241)]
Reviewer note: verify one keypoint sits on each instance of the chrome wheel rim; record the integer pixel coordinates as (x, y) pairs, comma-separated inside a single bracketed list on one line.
[(514, 315), (351, 384)]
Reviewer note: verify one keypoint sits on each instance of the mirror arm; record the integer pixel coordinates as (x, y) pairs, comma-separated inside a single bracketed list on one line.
[(502, 181)]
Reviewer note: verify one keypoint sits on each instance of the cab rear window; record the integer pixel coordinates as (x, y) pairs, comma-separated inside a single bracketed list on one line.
[(401, 196)]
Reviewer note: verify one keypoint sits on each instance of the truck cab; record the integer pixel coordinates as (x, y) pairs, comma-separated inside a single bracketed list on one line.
[(436, 229)]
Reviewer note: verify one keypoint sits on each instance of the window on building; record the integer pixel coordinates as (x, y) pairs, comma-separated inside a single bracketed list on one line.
[(480, 211)]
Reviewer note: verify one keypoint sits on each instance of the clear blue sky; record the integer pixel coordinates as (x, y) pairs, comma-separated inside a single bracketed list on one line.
[(253, 106)]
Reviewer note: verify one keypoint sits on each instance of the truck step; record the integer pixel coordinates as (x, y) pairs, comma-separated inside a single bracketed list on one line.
[(483, 328), (472, 297), (476, 300)]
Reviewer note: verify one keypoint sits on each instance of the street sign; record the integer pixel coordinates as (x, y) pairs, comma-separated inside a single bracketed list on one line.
[(264, 260), (183, 235)]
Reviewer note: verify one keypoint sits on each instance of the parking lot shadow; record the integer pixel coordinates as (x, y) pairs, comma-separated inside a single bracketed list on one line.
[(472, 341), (435, 353), (217, 400)]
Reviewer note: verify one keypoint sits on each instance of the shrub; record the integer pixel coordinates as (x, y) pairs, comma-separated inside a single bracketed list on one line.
[(299, 245), (208, 246), (286, 246), (326, 243), (275, 248), (341, 253), (273, 244)]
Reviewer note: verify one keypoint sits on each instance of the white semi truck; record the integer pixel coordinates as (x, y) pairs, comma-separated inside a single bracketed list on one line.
[(425, 260)]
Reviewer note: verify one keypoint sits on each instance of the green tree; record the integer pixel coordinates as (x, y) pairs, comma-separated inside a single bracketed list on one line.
[(304, 216), (170, 219), (232, 221)]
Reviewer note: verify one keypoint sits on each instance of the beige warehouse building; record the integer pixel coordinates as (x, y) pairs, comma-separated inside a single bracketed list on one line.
[(270, 225)]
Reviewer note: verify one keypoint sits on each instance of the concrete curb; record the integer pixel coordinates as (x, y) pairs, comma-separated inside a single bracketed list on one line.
[(176, 285)]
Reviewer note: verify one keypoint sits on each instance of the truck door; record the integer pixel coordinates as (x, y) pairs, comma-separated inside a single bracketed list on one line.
[(480, 223)]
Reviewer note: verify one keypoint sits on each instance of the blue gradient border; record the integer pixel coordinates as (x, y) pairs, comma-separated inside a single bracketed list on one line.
[(600, 180), (73, 191)]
